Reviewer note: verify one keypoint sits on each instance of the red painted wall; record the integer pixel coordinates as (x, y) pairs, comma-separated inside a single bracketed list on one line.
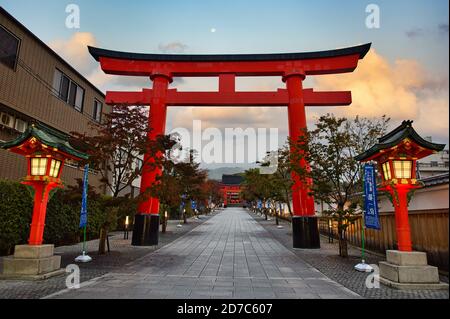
[(228, 190)]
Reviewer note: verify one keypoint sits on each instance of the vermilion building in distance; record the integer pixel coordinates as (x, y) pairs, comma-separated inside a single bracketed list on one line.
[(231, 187)]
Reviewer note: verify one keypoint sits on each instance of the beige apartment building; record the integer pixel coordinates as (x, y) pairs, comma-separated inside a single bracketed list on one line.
[(36, 84)]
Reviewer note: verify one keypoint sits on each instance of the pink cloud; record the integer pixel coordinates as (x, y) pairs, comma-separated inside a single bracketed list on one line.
[(401, 90), (74, 50)]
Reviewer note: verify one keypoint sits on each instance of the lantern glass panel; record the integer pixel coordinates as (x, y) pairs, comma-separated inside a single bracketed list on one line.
[(402, 169), (38, 166), (387, 171), (54, 168)]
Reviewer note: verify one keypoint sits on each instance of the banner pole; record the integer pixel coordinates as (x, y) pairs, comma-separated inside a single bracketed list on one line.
[(84, 258), (363, 267), (363, 225), (84, 240), (363, 237)]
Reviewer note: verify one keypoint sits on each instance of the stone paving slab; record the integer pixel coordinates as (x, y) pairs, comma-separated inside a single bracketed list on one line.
[(327, 261), (121, 254), (229, 256)]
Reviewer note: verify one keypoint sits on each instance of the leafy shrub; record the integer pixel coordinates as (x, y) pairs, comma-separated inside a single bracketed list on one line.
[(16, 206), (63, 216), (62, 219)]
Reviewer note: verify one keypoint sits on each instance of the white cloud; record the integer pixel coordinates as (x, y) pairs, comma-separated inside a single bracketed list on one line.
[(173, 47), (75, 52), (402, 90)]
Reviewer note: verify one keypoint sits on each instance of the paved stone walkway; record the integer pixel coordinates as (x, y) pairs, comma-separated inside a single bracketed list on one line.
[(122, 253), (229, 256), (339, 269)]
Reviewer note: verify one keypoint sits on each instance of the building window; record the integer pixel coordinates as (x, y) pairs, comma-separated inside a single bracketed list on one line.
[(434, 164), (57, 82), (98, 107), (9, 48), (72, 93), (68, 91), (79, 99)]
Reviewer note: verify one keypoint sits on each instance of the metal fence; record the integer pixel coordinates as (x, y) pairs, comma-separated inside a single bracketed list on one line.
[(429, 233)]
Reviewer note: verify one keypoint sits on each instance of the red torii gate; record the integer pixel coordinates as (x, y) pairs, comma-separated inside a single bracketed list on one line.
[(292, 67)]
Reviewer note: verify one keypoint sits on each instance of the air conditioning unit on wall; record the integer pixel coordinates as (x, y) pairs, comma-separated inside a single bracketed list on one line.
[(20, 125), (7, 120)]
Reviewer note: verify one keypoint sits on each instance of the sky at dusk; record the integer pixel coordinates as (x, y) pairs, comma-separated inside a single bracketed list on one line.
[(405, 75)]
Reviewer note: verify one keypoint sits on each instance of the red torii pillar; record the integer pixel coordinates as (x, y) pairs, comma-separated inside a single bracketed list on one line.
[(302, 201), (292, 67), (147, 218)]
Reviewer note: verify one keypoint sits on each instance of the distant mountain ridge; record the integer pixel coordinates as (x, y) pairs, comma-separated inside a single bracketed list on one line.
[(216, 173)]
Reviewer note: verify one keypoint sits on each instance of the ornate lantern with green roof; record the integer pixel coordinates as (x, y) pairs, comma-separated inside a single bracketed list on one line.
[(46, 151), (396, 154)]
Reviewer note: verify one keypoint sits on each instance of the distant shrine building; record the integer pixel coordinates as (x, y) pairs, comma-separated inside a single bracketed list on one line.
[(231, 188)]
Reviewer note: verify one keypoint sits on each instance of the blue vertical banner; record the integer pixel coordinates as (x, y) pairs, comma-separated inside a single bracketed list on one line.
[(371, 217), (83, 212), (182, 204), (194, 204), (259, 204)]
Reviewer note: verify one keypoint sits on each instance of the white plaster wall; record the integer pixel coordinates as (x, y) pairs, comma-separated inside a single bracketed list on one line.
[(434, 197)]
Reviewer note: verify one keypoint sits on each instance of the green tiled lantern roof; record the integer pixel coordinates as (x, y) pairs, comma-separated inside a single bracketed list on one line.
[(46, 136), (405, 130)]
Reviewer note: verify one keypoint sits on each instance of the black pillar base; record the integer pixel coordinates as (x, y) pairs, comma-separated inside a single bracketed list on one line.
[(305, 232), (146, 230)]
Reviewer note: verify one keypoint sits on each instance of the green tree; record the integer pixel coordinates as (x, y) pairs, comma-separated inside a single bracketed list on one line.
[(336, 176), (281, 179), (168, 188), (257, 187), (191, 179), (116, 149), (212, 193)]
